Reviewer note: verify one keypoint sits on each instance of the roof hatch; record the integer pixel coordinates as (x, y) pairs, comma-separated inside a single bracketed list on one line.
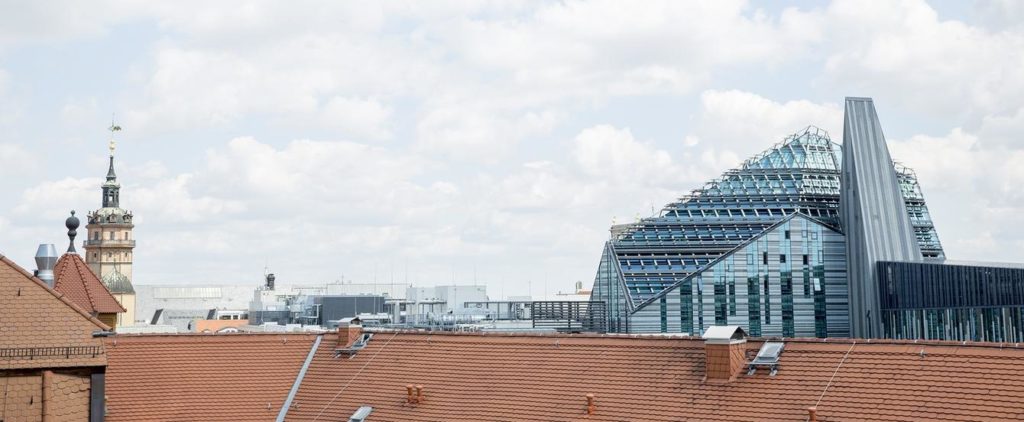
[(768, 357)]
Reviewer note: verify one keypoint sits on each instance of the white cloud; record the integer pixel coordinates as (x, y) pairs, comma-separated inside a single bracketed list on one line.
[(33, 22), (486, 134), (1000, 14), (469, 132), (737, 118), (905, 51), (612, 154), (53, 200), (362, 118), (973, 191), (479, 92), (15, 160), (80, 112)]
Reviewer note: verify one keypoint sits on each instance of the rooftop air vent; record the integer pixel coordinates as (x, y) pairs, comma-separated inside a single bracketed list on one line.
[(768, 357), (46, 258)]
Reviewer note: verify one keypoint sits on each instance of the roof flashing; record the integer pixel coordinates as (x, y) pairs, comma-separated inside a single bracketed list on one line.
[(724, 334)]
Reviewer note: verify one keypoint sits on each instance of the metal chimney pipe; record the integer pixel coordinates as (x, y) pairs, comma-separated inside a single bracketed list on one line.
[(46, 258), (410, 399), (419, 394), (591, 407), (812, 414)]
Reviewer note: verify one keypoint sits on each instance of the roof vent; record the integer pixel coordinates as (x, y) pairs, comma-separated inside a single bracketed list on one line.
[(361, 414), (768, 357), (46, 258)]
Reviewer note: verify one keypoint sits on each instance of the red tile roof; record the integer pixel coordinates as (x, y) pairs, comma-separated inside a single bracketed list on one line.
[(202, 377), (505, 377), (73, 278), (40, 328)]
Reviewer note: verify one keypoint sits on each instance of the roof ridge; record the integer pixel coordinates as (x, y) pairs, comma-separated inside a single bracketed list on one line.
[(799, 340), (142, 337), (85, 284)]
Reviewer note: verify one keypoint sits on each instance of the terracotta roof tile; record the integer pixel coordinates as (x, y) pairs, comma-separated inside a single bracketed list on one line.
[(223, 377), (546, 378), (40, 328), (74, 279)]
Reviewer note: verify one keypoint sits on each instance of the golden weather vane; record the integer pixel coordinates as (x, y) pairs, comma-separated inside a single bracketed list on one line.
[(113, 128)]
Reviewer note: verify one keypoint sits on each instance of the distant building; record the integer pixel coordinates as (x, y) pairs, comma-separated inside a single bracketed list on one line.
[(197, 299), (109, 244), (805, 239), (327, 310), (219, 325), (391, 290), (453, 297)]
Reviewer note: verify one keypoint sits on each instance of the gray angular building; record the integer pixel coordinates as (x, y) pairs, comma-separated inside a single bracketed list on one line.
[(793, 243), (873, 212)]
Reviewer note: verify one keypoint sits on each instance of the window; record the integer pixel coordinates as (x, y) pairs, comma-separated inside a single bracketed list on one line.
[(765, 258), (664, 314), (782, 259), (95, 235), (806, 260), (111, 235), (786, 233)]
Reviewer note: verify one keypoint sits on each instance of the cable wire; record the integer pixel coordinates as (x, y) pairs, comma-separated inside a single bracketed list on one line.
[(834, 374), (354, 377)]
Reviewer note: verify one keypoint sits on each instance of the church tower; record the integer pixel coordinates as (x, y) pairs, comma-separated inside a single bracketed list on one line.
[(109, 245)]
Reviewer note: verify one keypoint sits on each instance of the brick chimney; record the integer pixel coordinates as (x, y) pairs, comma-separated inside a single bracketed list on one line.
[(725, 348), (349, 330)]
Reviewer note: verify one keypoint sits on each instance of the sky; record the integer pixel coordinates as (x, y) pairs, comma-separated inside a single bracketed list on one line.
[(476, 142)]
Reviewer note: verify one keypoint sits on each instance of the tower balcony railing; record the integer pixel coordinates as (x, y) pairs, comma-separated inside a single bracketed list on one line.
[(110, 243)]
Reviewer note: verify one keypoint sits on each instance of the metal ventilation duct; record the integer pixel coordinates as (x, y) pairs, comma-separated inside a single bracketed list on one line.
[(46, 258)]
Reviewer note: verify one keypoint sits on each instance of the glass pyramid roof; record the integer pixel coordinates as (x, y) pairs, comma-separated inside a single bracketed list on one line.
[(800, 174)]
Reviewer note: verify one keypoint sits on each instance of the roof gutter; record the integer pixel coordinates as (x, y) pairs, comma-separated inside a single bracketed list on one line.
[(298, 380)]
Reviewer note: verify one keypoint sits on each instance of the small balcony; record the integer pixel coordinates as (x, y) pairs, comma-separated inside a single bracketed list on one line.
[(118, 243)]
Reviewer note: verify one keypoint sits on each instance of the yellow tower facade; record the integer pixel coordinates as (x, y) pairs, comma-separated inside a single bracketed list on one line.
[(110, 246)]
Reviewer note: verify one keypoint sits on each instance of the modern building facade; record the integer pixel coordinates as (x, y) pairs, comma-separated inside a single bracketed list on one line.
[(109, 245), (951, 300), (764, 245), (874, 215)]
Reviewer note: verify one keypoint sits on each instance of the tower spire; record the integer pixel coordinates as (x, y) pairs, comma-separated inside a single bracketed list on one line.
[(111, 176), (111, 189)]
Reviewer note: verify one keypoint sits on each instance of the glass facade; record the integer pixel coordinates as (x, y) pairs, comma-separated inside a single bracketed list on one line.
[(952, 301), (743, 258), (766, 290)]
